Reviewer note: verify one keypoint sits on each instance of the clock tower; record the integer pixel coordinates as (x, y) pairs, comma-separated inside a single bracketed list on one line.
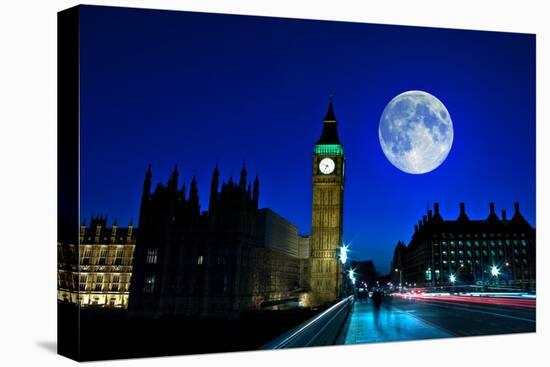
[(327, 213)]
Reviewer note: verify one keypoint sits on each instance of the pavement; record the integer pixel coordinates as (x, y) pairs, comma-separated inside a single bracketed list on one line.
[(400, 319), (369, 325)]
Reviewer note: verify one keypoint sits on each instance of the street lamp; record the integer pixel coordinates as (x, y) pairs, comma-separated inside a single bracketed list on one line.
[(452, 279), (397, 270), (495, 272), (343, 254)]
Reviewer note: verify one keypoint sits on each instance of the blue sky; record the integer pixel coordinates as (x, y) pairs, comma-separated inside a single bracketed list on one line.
[(161, 88)]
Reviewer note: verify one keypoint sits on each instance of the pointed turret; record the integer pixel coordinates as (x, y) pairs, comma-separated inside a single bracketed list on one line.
[(492, 215), (194, 197), (242, 181), (173, 182), (462, 216), (330, 131), (214, 189), (437, 216), (517, 215)]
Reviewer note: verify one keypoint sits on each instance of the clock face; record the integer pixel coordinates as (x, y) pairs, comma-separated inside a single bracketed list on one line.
[(326, 166)]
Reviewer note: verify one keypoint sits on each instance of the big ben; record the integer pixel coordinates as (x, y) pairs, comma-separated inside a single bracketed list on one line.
[(327, 213)]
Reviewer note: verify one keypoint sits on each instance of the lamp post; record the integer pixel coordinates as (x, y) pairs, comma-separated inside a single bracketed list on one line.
[(400, 271), (343, 255), (495, 272), (452, 279)]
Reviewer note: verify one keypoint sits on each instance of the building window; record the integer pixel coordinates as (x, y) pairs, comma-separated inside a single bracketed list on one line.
[(437, 275), (86, 254), (82, 285), (103, 256), (115, 283), (99, 283), (118, 256), (152, 256), (149, 284), (200, 260), (428, 275)]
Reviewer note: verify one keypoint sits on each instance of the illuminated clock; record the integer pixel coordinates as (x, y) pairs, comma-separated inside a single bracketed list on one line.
[(326, 166)]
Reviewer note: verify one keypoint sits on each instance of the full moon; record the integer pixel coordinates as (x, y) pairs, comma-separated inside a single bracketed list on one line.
[(416, 132)]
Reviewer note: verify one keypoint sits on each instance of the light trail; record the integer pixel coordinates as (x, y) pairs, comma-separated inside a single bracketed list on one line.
[(447, 298)]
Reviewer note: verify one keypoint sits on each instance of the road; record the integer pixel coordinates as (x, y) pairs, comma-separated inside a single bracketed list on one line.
[(428, 317)]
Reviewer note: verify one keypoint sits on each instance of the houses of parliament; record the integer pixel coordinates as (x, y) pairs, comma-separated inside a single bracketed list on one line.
[(234, 256)]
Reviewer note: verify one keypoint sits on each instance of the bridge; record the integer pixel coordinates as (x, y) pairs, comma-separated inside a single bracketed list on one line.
[(413, 316)]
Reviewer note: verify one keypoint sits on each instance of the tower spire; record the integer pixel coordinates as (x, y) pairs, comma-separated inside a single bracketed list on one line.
[(242, 181), (214, 189), (330, 131)]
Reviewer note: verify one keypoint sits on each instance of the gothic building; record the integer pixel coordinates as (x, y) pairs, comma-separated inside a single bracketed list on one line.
[(327, 213), (97, 272), (216, 262), (496, 250)]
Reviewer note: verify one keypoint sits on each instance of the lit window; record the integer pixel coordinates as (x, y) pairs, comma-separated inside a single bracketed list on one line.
[(99, 283), (115, 283), (428, 275), (200, 260), (152, 256), (118, 256), (149, 284), (103, 256)]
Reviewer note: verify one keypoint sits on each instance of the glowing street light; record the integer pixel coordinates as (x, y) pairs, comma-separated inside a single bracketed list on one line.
[(351, 275), (343, 254), (495, 271), (452, 278)]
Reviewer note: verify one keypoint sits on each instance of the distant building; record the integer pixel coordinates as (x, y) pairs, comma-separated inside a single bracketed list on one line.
[(397, 265), (97, 272), (276, 233), (496, 250), (230, 258), (365, 273)]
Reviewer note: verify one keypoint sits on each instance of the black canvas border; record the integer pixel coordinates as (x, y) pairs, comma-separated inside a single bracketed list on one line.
[(68, 157)]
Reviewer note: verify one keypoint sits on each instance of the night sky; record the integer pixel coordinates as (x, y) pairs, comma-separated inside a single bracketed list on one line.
[(162, 88)]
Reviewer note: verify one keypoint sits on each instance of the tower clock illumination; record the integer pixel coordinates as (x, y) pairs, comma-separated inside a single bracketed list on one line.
[(326, 166), (326, 215)]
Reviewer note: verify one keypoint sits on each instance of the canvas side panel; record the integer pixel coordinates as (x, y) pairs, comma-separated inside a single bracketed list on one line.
[(68, 338)]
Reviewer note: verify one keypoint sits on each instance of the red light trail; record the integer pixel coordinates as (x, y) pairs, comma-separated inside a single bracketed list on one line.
[(481, 300)]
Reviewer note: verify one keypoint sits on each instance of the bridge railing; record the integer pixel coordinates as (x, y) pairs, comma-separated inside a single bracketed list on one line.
[(323, 329)]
